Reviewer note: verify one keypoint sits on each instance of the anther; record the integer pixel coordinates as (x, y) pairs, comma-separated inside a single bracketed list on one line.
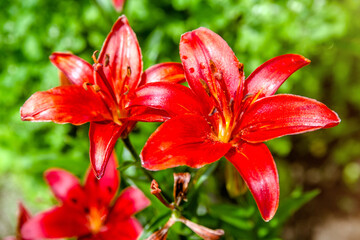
[(128, 71), (107, 60), (205, 86), (85, 85), (213, 66), (213, 111), (241, 68), (94, 56), (96, 88)]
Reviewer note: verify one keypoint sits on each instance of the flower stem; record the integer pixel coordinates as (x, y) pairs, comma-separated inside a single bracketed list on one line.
[(136, 157)]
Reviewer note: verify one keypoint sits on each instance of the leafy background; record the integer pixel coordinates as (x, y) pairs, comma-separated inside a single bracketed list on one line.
[(323, 166)]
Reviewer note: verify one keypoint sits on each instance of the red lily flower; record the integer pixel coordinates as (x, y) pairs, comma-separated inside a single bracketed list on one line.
[(99, 93), (118, 5), (224, 115), (85, 211), (23, 217)]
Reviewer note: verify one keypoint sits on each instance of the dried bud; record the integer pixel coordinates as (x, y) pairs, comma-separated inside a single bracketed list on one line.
[(181, 183), (204, 232), (156, 191), (162, 233)]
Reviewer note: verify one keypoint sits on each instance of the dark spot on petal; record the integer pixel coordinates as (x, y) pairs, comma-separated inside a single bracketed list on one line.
[(86, 210), (109, 189), (74, 200), (191, 70), (184, 57)]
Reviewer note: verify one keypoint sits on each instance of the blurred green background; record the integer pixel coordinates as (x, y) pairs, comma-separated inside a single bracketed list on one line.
[(325, 31)]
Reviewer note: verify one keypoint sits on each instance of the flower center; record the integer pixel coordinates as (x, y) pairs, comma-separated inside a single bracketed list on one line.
[(95, 220)]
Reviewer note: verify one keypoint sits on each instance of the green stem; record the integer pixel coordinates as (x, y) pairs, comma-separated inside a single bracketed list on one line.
[(136, 157)]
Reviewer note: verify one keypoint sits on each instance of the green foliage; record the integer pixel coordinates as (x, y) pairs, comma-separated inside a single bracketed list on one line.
[(324, 31)]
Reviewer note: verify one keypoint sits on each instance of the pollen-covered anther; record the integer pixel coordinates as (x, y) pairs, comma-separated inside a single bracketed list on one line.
[(205, 86), (128, 71), (85, 85), (96, 88), (241, 68), (213, 66), (107, 60)]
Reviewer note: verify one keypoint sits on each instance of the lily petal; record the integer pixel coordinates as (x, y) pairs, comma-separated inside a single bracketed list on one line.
[(103, 137), (205, 55), (68, 104), (128, 229), (285, 114), (146, 114), (257, 167), (269, 76), (130, 201), (174, 99), (59, 222), (118, 5), (106, 187), (121, 57), (66, 188), (77, 70), (183, 140), (164, 72), (23, 217)]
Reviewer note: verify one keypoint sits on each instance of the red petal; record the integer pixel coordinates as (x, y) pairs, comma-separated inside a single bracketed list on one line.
[(118, 4), (270, 75), (103, 189), (103, 137), (184, 140), (68, 104), (172, 98), (282, 114), (124, 63), (128, 229), (77, 70), (197, 49), (59, 222), (146, 114), (130, 201), (66, 188), (257, 167), (23, 217), (164, 72)]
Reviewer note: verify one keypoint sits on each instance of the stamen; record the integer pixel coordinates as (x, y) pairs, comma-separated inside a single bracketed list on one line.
[(231, 104), (128, 71), (213, 66), (85, 85), (96, 88), (241, 68), (205, 86), (107, 60), (213, 111), (94, 57)]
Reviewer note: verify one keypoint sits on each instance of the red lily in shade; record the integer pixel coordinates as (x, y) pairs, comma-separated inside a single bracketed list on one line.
[(99, 92), (118, 5), (224, 115), (86, 211), (23, 217)]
